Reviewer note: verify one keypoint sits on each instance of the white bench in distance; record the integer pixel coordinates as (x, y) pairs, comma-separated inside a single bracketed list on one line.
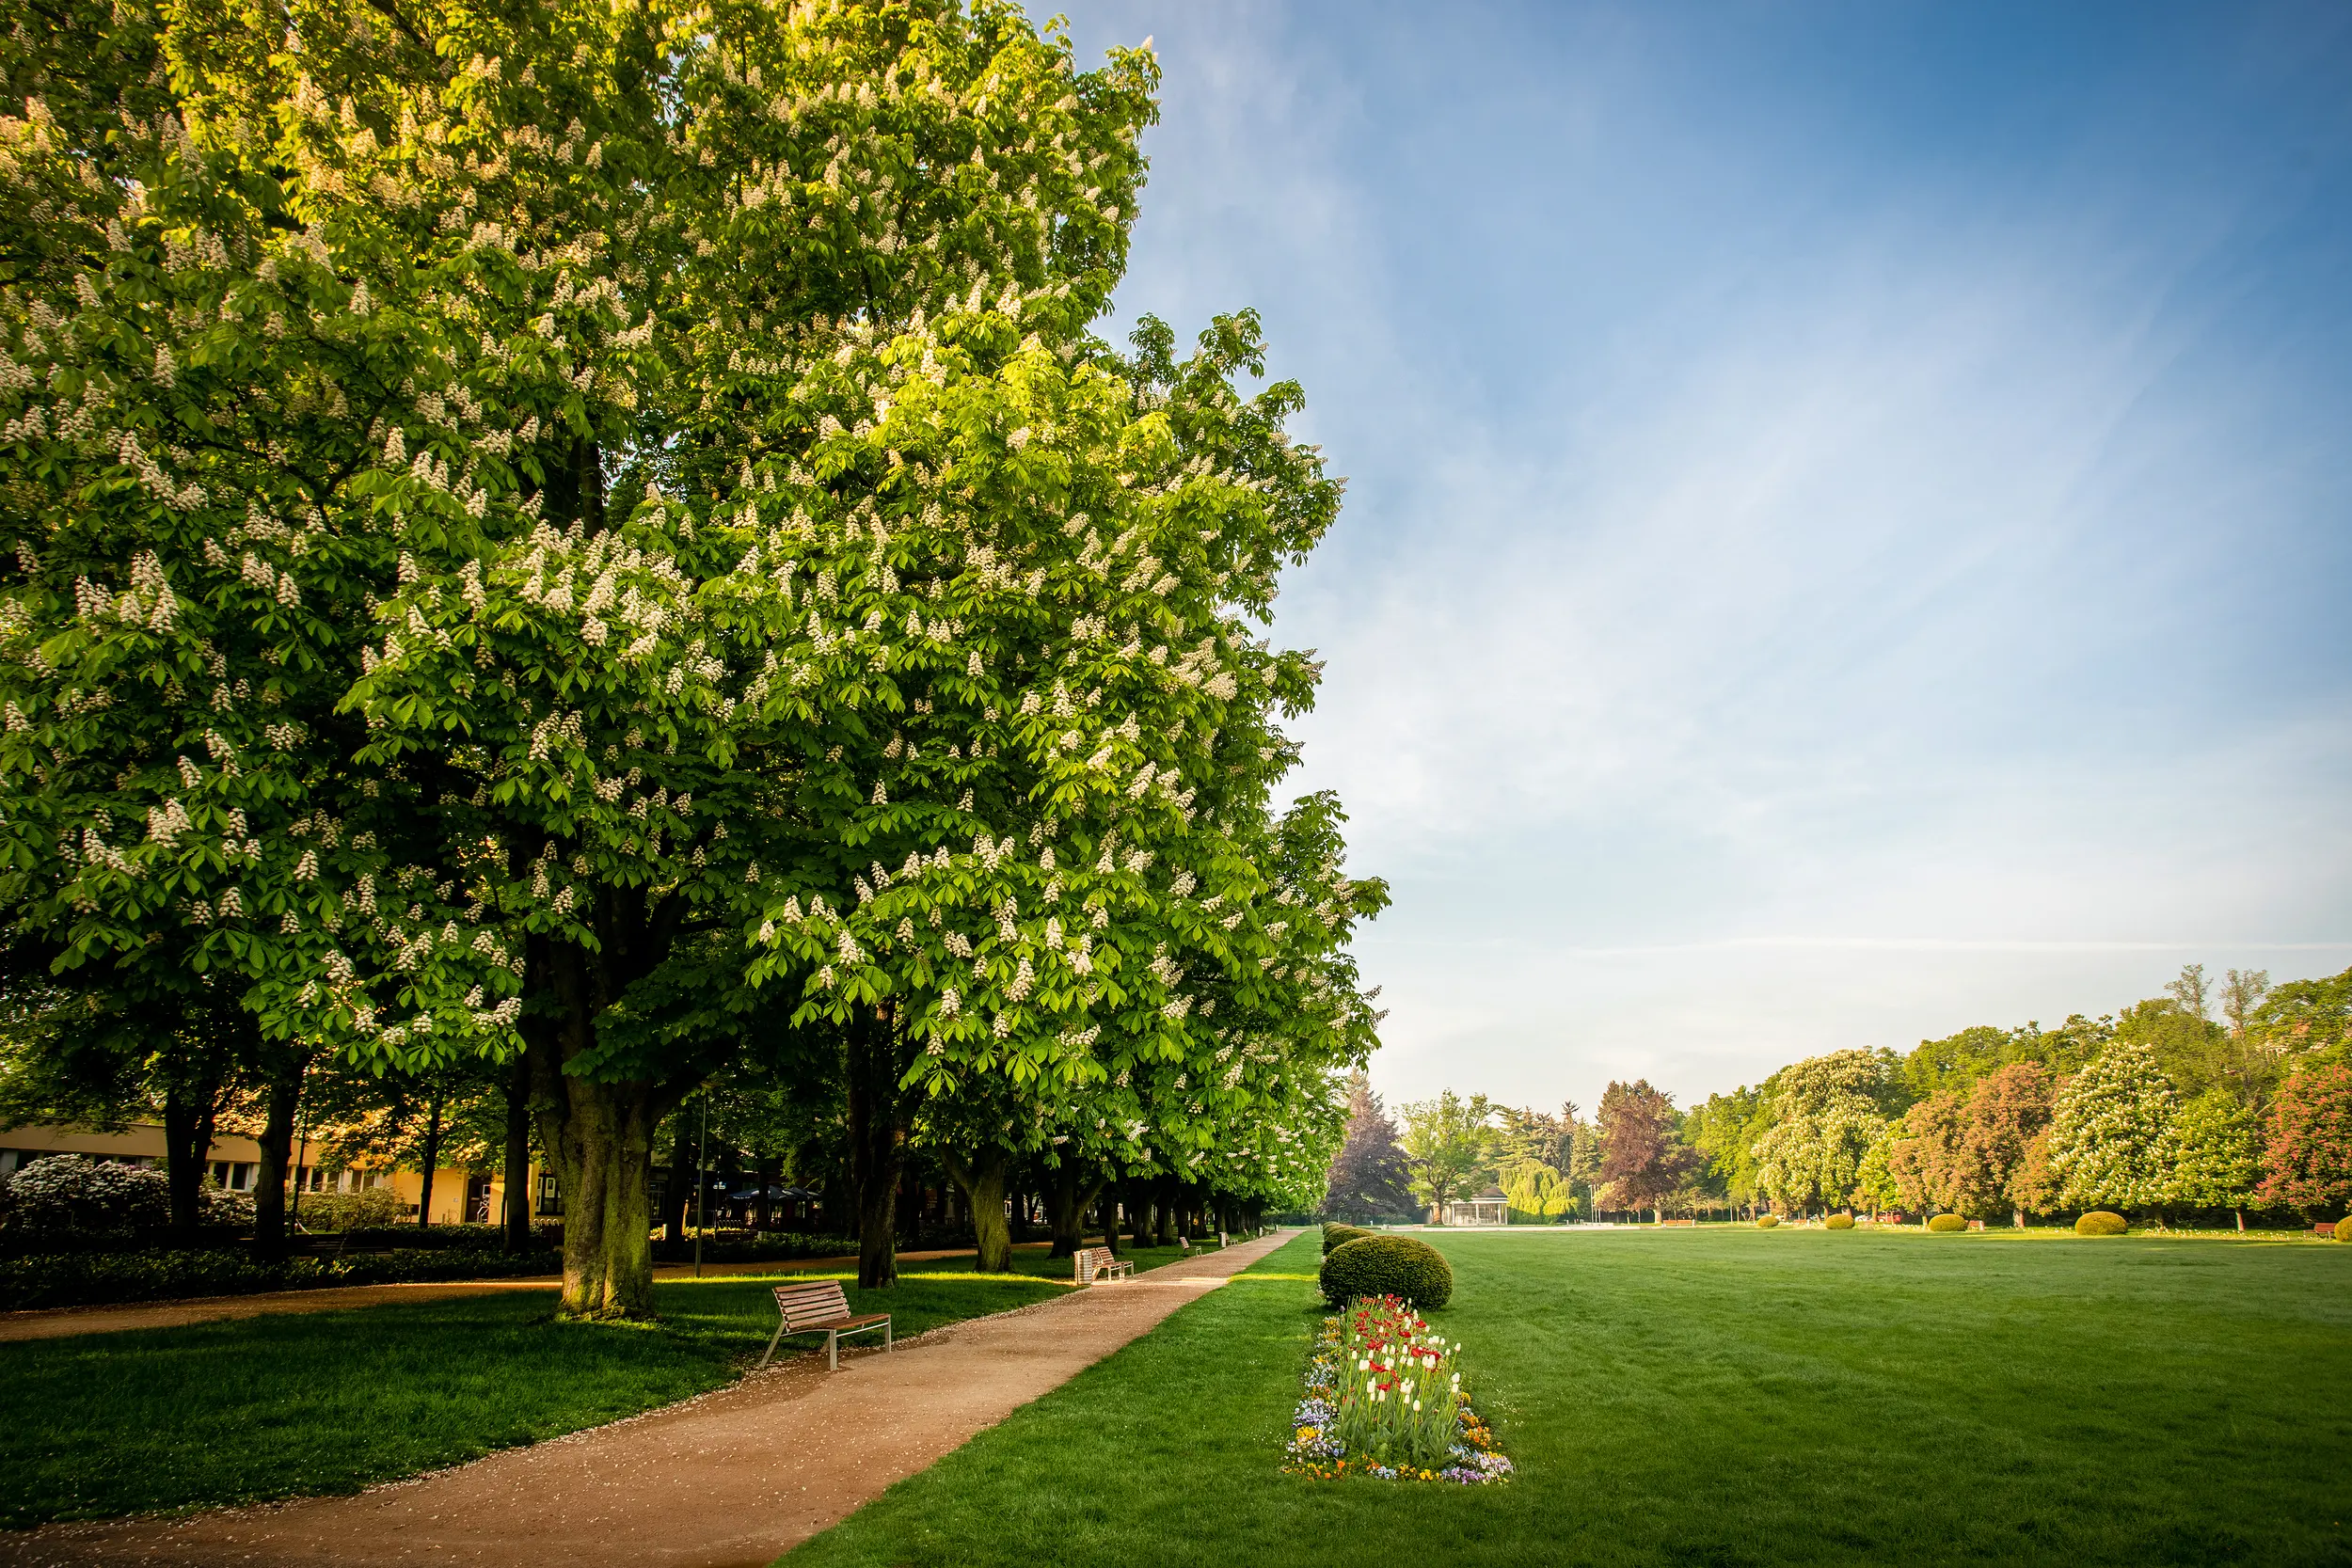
[(1093, 1263), (819, 1307)]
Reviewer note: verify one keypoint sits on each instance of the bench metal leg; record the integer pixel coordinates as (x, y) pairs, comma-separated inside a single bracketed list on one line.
[(886, 1338), (772, 1344), (833, 1350)]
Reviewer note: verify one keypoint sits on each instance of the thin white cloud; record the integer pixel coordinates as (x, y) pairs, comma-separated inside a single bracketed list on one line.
[(1788, 600)]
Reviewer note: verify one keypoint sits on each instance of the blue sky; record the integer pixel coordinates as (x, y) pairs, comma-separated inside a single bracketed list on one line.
[(1850, 506)]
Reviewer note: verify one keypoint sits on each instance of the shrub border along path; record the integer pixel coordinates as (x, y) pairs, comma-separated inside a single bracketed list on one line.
[(50, 1322), (731, 1478)]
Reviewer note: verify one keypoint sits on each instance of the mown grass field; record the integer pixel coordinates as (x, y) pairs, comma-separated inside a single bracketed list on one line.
[(257, 1408), (1718, 1397)]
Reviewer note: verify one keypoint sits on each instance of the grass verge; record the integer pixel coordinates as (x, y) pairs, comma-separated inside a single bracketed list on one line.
[(106, 1424), (1732, 1397)]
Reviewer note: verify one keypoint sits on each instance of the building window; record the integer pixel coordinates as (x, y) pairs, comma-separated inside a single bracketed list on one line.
[(551, 1200)]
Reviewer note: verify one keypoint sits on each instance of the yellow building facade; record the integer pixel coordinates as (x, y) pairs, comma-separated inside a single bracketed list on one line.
[(234, 1160)]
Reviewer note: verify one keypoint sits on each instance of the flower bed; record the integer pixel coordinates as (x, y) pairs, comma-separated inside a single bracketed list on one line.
[(1384, 1398)]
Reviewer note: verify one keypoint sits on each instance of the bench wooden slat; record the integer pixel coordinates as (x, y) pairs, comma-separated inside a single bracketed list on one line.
[(1089, 1263), (820, 1307)]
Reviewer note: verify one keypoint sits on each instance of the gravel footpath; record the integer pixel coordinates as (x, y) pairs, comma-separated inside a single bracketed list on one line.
[(733, 1478)]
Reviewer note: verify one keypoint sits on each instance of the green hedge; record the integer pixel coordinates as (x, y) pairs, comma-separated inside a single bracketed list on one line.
[(2100, 1222), (1838, 1221), (1765, 1222), (97, 1278), (1337, 1236), (1387, 1266), (1947, 1224)]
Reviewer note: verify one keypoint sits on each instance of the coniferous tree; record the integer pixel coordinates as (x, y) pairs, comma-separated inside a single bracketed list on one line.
[(1369, 1180)]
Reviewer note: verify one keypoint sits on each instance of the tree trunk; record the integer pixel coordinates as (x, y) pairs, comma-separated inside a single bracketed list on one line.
[(678, 1192), (430, 1157), (765, 1211), (1069, 1195), (190, 1111), (2017, 1219), (269, 1193), (599, 1137), (877, 1135), (1164, 1210), (2241, 1220), (983, 1183), (596, 1134), (1110, 1217), (517, 1216)]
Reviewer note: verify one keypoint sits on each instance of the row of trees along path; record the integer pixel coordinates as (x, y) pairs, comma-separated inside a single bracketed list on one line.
[(601, 539)]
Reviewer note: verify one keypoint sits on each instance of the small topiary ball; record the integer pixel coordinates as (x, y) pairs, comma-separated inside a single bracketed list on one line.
[(2100, 1222), (2344, 1228), (1337, 1236), (1945, 1224), (1838, 1221), (1765, 1222), (1387, 1266)]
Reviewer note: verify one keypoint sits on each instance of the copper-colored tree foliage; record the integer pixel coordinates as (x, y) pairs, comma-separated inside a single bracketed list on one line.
[(1930, 1165), (2308, 1146), (1642, 1159), (2002, 1142)]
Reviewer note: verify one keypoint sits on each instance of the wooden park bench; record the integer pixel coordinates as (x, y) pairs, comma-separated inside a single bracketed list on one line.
[(819, 1307), (1094, 1262)]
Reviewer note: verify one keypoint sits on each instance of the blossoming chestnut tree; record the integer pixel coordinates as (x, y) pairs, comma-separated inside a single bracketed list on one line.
[(628, 503)]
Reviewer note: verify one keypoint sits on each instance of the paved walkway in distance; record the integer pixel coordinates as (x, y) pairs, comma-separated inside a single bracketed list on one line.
[(730, 1479), (53, 1322)]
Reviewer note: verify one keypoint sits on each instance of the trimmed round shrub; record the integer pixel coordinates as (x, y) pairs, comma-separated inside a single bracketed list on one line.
[(1947, 1224), (1765, 1222), (2100, 1222), (1338, 1236), (1838, 1221), (2344, 1228), (1387, 1266)]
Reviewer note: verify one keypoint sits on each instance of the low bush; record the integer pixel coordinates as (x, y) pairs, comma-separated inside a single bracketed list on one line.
[(74, 1193), (1338, 1236), (222, 1209), (440, 1238), (1399, 1266), (2100, 1222), (369, 1209), (2344, 1228), (1944, 1225), (101, 1278), (764, 1246), (1838, 1221), (1765, 1222)]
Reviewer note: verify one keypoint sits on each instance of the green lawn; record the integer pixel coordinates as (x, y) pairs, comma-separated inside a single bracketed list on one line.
[(1716, 1396), (107, 1424)]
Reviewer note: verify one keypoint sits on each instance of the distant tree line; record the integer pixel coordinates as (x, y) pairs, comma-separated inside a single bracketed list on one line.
[(2217, 1100)]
